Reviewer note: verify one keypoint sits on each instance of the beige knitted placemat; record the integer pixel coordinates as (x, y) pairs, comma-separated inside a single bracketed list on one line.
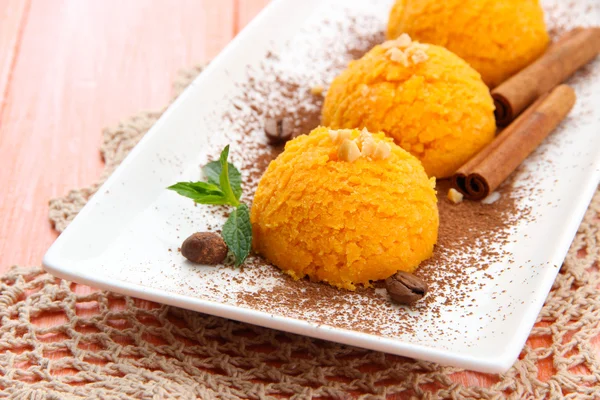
[(126, 348)]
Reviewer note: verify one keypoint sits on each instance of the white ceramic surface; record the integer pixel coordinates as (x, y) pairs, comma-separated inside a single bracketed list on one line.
[(120, 240)]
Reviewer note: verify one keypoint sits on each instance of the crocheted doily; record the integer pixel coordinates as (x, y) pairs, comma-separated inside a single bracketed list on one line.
[(112, 346)]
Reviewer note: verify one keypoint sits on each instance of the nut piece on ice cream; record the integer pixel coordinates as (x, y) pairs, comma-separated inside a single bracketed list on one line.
[(430, 101), (345, 220), (348, 151), (498, 38)]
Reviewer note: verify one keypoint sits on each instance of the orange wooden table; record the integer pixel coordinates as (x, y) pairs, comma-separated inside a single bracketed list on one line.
[(70, 67)]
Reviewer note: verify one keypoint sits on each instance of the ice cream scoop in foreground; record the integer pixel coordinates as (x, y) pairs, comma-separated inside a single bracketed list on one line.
[(345, 207)]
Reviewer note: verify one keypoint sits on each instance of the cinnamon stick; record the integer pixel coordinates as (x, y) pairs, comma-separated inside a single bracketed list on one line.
[(562, 59), (488, 169)]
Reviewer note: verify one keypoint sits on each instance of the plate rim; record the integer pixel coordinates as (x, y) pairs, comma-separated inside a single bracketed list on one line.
[(500, 363)]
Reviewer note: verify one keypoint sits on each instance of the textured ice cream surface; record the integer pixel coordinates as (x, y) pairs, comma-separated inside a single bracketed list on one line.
[(496, 37), (344, 222), (433, 104)]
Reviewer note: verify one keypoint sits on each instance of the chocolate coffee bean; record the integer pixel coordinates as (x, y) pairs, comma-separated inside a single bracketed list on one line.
[(278, 131), (405, 288), (205, 248)]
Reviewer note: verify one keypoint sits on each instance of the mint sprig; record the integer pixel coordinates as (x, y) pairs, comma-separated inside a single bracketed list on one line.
[(224, 187), (237, 233), (212, 171), (224, 179), (200, 192)]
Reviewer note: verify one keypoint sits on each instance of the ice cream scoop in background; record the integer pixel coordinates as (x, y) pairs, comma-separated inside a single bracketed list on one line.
[(430, 101), (498, 38)]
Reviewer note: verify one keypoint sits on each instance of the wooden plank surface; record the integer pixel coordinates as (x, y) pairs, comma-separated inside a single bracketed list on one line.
[(246, 10), (70, 67), (78, 66), (13, 16)]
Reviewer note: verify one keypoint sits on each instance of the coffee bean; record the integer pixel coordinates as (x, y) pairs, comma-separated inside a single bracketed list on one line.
[(205, 248), (405, 288), (278, 131)]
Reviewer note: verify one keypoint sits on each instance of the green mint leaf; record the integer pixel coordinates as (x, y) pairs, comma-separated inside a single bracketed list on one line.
[(212, 170), (200, 192), (237, 233), (224, 179)]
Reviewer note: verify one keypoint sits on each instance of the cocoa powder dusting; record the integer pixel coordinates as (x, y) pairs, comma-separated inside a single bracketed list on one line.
[(473, 236), (464, 227)]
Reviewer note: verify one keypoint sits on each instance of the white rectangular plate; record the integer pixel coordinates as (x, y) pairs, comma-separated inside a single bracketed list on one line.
[(123, 240)]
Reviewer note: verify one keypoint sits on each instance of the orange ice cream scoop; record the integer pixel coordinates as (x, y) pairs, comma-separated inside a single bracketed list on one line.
[(430, 101), (345, 207), (497, 38)]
